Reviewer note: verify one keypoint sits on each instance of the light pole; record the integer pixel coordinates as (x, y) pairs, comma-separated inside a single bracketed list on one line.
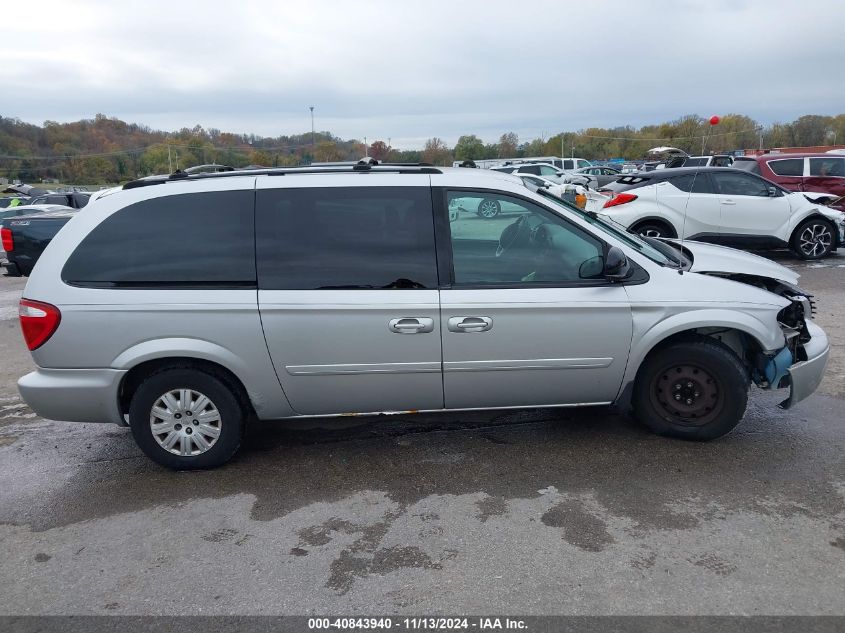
[(313, 144), (760, 130)]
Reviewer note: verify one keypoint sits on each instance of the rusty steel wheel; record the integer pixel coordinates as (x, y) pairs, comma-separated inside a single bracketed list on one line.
[(694, 389), (687, 393)]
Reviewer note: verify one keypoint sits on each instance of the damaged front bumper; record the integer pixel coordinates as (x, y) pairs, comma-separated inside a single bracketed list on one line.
[(805, 376)]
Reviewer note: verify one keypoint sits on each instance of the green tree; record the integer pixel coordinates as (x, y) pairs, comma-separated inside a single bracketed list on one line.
[(469, 147)]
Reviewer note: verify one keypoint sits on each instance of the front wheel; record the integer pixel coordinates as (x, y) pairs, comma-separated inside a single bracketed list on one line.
[(186, 419), (695, 390), (813, 239)]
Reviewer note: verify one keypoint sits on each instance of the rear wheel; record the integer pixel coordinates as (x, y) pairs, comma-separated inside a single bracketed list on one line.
[(654, 229), (813, 239), (489, 208), (695, 390), (186, 419)]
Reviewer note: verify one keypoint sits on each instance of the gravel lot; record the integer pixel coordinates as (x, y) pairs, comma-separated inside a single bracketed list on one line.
[(526, 512)]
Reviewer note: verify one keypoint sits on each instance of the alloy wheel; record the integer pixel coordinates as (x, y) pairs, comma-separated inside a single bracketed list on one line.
[(815, 240), (651, 232), (489, 208)]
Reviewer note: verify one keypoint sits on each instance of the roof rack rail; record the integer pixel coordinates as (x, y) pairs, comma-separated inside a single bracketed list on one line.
[(365, 165)]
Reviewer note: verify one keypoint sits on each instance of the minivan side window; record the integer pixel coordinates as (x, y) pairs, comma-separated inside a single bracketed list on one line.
[(787, 166), (188, 240), (336, 238), (832, 166), (522, 244)]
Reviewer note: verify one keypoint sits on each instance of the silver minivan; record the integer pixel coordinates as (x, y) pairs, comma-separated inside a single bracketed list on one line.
[(187, 306)]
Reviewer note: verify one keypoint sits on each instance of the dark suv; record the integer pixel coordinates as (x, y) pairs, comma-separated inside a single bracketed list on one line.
[(822, 173)]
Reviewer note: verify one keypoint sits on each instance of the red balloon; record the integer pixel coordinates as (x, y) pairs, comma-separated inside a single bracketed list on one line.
[(714, 120)]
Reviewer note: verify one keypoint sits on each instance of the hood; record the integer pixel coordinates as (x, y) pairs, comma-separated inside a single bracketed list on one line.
[(708, 258)]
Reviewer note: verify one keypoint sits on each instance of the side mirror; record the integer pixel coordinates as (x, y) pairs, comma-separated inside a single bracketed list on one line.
[(592, 268), (773, 192), (616, 265)]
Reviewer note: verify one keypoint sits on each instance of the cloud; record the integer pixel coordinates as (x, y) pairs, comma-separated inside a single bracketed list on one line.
[(410, 70)]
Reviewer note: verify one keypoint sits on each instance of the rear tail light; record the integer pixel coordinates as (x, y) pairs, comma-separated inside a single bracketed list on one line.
[(38, 322), (8, 240), (619, 198)]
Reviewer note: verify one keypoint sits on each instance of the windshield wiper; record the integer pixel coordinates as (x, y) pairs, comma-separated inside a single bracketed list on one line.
[(674, 253)]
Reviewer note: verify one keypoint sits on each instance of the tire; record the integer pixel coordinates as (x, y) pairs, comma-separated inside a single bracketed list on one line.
[(489, 208), (165, 392), (813, 239), (709, 378), (654, 229)]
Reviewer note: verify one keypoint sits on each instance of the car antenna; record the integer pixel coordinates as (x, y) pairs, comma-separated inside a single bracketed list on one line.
[(713, 121)]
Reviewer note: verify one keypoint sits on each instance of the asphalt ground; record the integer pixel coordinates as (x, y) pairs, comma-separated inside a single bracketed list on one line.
[(524, 512)]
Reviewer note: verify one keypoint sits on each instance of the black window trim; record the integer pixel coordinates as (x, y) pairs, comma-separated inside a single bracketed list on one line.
[(445, 263)]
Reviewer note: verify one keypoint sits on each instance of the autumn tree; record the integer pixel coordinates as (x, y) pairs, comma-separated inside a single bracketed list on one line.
[(327, 152), (378, 150), (436, 152), (508, 144)]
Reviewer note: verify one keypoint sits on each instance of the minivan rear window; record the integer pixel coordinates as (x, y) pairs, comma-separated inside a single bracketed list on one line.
[(338, 238), (189, 240)]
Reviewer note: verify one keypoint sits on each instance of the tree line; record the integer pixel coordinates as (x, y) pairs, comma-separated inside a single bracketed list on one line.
[(108, 150)]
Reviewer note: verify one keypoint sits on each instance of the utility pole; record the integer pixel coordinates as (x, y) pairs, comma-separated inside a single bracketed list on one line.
[(760, 130), (366, 148), (169, 162), (313, 143)]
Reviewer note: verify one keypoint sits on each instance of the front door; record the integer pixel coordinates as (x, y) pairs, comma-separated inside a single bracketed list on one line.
[(748, 208), (525, 318), (348, 292)]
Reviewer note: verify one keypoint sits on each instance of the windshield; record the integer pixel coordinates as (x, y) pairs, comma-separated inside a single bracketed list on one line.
[(614, 229)]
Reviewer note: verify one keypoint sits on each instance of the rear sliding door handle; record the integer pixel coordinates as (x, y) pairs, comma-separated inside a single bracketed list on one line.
[(470, 324), (411, 325)]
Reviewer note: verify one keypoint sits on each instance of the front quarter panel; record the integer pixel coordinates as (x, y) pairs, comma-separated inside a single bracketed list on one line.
[(671, 303)]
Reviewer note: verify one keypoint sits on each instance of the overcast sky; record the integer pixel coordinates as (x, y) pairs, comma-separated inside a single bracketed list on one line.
[(408, 70)]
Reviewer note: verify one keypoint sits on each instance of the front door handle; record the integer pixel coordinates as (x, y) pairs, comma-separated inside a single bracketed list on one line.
[(411, 325), (728, 202), (470, 324)]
